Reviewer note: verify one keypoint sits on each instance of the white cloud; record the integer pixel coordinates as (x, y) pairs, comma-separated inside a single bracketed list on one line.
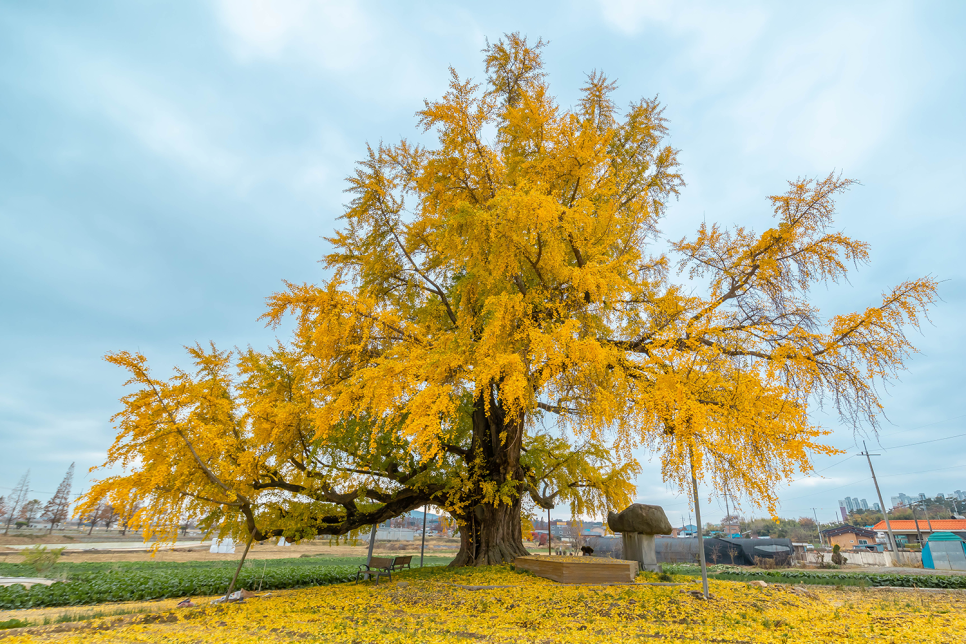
[(336, 35), (160, 125), (717, 41), (819, 90), (829, 98), (630, 15)]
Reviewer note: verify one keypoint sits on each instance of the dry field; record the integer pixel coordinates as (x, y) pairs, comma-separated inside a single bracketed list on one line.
[(434, 546)]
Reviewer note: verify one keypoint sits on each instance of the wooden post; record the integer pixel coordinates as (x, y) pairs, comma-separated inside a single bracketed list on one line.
[(248, 545), (697, 516)]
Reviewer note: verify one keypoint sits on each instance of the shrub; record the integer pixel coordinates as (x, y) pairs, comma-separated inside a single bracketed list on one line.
[(41, 559), (837, 557)]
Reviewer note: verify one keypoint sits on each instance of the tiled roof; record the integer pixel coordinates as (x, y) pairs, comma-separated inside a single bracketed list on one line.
[(953, 525), (849, 529)]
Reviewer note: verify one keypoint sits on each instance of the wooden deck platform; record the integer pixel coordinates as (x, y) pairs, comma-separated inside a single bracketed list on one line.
[(579, 570)]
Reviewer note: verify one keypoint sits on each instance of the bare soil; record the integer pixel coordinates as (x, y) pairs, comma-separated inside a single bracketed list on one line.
[(27, 539)]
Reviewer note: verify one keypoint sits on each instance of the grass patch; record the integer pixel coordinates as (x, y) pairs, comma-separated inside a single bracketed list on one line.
[(13, 623)]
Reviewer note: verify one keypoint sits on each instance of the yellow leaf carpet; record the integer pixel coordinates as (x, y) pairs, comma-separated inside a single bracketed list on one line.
[(441, 605)]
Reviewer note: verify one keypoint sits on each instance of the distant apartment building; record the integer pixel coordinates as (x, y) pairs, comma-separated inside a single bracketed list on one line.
[(902, 500), (905, 500), (853, 505)]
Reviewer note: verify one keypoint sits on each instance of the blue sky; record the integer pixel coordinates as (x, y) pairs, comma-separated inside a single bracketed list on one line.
[(165, 165)]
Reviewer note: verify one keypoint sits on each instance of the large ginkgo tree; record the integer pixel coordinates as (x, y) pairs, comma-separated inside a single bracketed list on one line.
[(501, 329)]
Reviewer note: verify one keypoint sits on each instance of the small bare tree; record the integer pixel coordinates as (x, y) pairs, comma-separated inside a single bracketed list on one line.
[(110, 516), (29, 511), (575, 532), (57, 509), (95, 516), (17, 499), (128, 516), (715, 553)]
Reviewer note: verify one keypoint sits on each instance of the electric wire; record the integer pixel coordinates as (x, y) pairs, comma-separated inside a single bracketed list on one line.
[(935, 440)]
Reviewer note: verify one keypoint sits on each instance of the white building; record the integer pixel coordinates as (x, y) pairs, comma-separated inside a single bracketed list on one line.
[(392, 534)]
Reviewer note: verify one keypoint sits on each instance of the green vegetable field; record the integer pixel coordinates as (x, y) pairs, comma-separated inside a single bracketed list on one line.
[(733, 573), (95, 583)]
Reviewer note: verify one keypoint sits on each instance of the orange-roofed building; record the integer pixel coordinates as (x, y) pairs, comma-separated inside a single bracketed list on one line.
[(905, 529)]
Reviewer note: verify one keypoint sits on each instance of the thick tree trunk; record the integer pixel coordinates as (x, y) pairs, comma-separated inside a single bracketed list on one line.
[(490, 533), (491, 536)]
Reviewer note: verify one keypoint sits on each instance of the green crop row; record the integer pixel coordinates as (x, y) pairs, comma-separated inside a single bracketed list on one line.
[(70, 570), (125, 585), (902, 581)]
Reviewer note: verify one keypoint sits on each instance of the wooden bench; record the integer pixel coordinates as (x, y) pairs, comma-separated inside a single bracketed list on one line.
[(398, 563), (377, 567)]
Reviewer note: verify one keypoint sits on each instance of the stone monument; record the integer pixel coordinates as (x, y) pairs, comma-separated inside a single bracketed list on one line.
[(637, 525)]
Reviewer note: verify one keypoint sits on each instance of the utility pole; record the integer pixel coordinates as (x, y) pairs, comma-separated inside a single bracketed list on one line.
[(892, 539), (549, 548), (372, 542), (925, 510), (422, 547), (916, 519), (818, 526), (697, 516)]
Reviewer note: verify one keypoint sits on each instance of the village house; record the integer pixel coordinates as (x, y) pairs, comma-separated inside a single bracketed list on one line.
[(908, 531), (848, 537)]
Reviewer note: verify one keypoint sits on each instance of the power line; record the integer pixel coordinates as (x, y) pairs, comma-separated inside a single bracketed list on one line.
[(912, 429), (938, 422), (831, 466), (828, 490), (935, 440), (941, 469)]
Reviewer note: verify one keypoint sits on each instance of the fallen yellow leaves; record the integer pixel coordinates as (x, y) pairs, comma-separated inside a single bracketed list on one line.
[(435, 605)]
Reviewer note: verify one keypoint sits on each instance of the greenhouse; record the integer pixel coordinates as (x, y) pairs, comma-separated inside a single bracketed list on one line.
[(944, 551)]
